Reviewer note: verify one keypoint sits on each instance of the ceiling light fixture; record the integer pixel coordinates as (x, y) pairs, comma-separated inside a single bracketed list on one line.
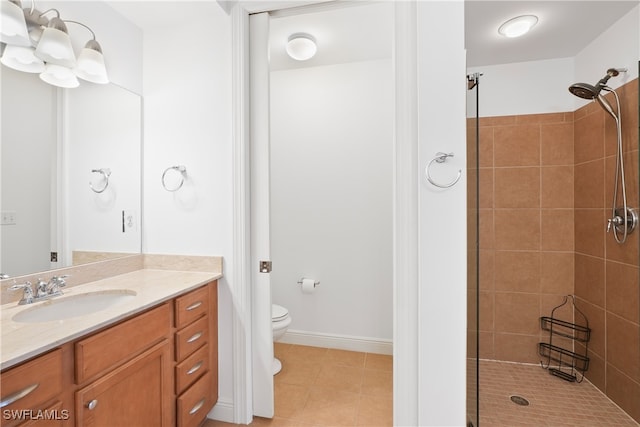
[(301, 46), (35, 44), (518, 26)]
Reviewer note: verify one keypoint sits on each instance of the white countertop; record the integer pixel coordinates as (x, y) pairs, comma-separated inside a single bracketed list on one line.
[(21, 341)]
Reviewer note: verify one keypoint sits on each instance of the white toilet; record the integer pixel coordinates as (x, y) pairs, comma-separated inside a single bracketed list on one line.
[(280, 321)]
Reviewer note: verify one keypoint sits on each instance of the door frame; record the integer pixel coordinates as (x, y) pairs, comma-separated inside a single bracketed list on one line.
[(405, 217)]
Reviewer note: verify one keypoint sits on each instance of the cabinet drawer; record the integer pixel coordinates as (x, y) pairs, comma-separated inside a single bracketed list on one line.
[(191, 306), (191, 338), (121, 342), (192, 368), (194, 404), (32, 384)]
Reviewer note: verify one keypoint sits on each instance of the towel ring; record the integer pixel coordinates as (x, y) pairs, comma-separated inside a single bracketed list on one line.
[(440, 158), (183, 172), (105, 172)]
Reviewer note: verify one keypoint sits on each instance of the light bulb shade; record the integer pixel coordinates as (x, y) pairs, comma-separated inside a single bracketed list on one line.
[(90, 64), (518, 26), (60, 76), (301, 47), (22, 58), (13, 27), (54, 46)]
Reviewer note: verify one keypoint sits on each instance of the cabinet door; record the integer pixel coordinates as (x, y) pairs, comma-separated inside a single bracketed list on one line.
[(139, 393)]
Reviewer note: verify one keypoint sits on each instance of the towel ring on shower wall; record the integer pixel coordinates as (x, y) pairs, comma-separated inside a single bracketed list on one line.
[(183, 174), (440, 158), (105, 172)]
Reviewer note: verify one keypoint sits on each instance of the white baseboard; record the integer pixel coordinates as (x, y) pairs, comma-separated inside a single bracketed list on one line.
[(222, 411), (340, 342)]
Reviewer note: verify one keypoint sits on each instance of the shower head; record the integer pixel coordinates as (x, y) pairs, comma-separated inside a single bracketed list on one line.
[(584, 90), (587, 91)]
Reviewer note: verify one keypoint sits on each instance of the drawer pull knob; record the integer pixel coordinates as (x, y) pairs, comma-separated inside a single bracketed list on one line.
[(197, 407), (194, 337), (92, 405), (194, 306), (195, 367), (14, 397)]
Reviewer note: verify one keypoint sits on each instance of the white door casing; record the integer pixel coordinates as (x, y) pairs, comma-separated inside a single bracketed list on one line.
[(262, 332)]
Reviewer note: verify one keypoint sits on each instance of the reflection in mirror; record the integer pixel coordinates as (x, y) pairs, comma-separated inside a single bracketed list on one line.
[(52, 140)]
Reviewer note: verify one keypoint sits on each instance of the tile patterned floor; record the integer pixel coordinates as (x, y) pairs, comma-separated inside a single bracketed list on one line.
[(320, 387), (553, 402)]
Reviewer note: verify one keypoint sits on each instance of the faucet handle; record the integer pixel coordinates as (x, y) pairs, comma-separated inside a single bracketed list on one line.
[(27, 297), (55, 283)]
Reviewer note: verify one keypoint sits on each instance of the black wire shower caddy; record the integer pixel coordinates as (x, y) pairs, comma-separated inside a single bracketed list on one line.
[(568, 364)]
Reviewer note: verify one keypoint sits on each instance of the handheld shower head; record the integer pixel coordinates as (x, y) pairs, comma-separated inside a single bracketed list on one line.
[(587, 91), (584, 90)]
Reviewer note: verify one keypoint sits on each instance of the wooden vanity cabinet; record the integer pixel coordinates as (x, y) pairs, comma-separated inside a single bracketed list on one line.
[(196, 349), (158, 369)]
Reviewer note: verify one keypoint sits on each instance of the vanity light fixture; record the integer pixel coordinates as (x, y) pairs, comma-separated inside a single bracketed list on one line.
[(13, 27), (301, 46), (48, 49), (518, 26)]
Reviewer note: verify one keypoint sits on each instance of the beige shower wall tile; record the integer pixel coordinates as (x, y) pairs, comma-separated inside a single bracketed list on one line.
[(517, 145), (557, 144), (557, 273), (557, 228), (517, 229), (517, 313), (517, 187), (557, 187), (517, 271)]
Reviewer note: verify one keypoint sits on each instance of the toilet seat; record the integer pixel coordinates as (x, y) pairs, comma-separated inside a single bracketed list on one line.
[(278, 313)]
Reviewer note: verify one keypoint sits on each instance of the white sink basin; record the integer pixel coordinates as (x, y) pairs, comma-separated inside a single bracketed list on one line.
[(73, 306)]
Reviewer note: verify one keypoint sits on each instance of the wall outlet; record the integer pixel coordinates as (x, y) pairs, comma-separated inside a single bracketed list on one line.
[(129, 221), (8, 218)]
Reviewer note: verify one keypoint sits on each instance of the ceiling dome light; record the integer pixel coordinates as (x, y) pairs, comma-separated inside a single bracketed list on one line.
[(301, 46), (518, 26)]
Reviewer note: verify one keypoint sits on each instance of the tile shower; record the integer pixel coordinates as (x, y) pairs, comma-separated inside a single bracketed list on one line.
[(545, 190)]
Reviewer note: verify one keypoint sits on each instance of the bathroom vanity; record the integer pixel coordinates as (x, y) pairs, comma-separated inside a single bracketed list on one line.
[(149, 361)]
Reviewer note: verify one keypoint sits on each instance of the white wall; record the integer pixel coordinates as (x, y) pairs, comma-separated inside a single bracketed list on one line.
[(331, 198), (442, 216), (526, 87), (187, 103), (542, 86), (617, 47)]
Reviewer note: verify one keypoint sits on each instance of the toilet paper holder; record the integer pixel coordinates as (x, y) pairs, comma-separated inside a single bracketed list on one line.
[(315, 282)]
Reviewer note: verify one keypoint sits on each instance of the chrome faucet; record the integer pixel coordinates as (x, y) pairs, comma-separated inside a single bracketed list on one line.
[(43, 290)]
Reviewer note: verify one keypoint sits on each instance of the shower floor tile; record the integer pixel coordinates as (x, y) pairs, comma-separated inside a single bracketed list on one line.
[(553, 402)]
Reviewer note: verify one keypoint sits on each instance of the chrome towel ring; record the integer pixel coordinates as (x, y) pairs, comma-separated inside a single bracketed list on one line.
[(105, 172), (440, 158), (183, 174)]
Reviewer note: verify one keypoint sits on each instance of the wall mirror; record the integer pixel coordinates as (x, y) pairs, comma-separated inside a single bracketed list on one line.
[(71, 174)]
